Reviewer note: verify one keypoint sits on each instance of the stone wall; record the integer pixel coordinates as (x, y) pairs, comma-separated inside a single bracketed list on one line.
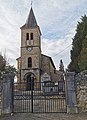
[(48, 67), (0, 103), (81, 91), (82, 98), (0, 99)]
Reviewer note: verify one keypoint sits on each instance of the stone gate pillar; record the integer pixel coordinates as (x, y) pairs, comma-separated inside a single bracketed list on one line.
[(0, 98), (7, 101), (70, 93)]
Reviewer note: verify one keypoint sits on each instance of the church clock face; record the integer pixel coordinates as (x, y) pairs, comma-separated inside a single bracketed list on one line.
[(29, 49)]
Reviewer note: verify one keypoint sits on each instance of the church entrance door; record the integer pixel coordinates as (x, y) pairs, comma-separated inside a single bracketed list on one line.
[(30, 82)]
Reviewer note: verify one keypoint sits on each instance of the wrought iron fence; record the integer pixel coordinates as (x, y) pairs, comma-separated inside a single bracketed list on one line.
[(39, 97)]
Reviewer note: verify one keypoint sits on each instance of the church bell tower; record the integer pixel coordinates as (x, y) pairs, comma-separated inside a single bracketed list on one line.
[(30, 49)]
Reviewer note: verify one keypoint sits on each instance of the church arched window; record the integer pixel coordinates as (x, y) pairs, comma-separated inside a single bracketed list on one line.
[(27, 36), (31, 36), (29, 62)]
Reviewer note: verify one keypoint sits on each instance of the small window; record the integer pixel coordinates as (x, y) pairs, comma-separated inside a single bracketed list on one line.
[(31, 36), (27, 36), (29, 62)]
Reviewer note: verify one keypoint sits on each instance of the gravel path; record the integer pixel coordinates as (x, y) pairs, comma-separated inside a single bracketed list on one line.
[(49, 116)]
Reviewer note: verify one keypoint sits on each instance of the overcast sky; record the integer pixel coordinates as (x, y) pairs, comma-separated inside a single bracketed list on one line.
[(57, 20)]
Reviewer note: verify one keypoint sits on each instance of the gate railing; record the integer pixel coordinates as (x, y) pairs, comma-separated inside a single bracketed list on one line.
[(40, 98)]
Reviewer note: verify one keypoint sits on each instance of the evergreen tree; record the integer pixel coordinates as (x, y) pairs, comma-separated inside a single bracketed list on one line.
[(82, 60), (81, 32), (61, 66)]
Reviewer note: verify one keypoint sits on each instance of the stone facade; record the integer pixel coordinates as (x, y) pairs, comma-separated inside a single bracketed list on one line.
[(81, 88), (35, 53), (47, 66)]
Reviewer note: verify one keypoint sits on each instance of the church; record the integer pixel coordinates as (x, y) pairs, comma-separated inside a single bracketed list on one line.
[(32, 63)]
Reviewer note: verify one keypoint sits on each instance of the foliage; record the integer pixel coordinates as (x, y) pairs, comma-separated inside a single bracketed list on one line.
[(6, 68), (10, 70), (2, 63), (77, 45), (82, 60)]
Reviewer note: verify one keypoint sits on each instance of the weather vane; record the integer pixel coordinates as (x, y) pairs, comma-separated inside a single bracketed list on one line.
[(31, 3)]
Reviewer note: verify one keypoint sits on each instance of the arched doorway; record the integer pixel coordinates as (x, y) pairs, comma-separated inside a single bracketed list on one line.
[(30, 82)]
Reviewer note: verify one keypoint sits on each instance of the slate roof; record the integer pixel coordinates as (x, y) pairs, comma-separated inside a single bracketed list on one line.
[(31, 20)]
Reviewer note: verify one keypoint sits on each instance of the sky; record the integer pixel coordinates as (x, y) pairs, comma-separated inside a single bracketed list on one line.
[(57, 20)]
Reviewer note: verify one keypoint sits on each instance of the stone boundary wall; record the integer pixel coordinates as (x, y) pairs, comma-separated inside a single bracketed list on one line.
[(82, 98), (0, 104), (0, 98), (81, 91)]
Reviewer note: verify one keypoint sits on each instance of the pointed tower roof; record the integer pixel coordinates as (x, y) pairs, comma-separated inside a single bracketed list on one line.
[(31, 20)]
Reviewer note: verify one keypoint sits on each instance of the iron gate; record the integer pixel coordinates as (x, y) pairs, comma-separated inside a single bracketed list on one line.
[(41, 98)]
